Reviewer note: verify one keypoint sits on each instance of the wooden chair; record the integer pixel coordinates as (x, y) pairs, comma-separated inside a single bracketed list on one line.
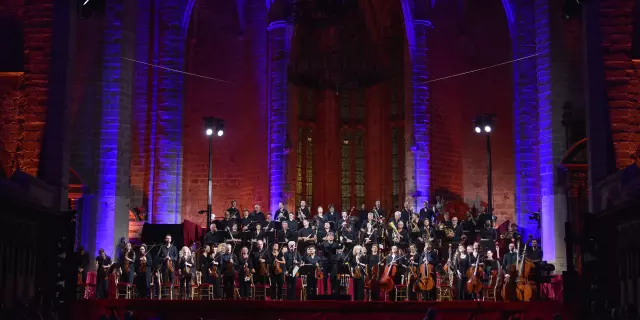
[(401, 290), (444, 288), (124, 290), (204, 290)]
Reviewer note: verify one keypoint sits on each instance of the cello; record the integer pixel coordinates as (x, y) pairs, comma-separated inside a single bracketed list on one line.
[(425, 283), (523, 288), (474, 284), (386, 281)]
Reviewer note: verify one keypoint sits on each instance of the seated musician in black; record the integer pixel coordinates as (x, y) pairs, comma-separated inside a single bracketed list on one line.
[(312, 282), (324, 231), (234, 213), (257, 234), (457, 231), (430, 256), (428, 233), (227, 263), (103, 264), (293, 223), (369, 236), (397, 218), (329, 267), (332, 217), (257, 214), (213, 237), (342, 222), (245, 269), (246, 221), (401, 237), (227, 222), (268, 225), (319, 219), (282, 214), (260, 261), (347, 236), (292, 259), (490, 265), (488, 233)]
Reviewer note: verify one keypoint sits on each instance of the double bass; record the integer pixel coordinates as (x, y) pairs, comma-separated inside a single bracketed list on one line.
[(425, 283), (390, 270), (374, 275), (474, 284), (523, 287)]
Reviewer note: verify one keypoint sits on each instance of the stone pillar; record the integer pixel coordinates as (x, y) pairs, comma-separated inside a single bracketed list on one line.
[(112, 193), (55, 156), (278, 41)]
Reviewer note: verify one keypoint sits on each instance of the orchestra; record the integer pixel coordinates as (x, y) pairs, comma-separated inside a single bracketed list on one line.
[(366, 254)]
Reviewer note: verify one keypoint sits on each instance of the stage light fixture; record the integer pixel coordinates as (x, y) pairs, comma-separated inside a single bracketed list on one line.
[(209, 131), (487, 129), (211, 125), (478, 130)]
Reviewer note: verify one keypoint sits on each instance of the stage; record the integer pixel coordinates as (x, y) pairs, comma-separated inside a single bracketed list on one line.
[(319, 310)]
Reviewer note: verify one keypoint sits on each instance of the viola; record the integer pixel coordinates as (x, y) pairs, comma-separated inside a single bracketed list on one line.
[(127, 263), (357, 274), (143, 264), (319, 273), (277, 269)]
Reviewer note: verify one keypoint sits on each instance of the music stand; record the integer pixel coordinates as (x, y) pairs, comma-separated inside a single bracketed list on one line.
[(307, 270)]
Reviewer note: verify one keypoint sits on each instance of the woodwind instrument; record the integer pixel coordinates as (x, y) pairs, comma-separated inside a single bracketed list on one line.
[(396, 234)]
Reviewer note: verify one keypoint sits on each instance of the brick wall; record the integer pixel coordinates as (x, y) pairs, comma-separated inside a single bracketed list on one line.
[(621, 79), (240, 168)]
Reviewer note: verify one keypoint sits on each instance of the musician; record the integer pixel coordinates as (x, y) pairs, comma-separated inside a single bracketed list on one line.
[(257, 214), (428, 233), (245, 269), (343, 221), (363, 216), (347, 236), (461, 264), (293, 223), (430, 257), (484, 217), (204, 264), (406, 212), (120, 249), (214, 258), (82, 263), (143, 269), (401, 236), (227, 222), (474, 253), (277, 271), (534, 253), (457, 231), (319, 219), (103, 263), (358, 272), (378, 212), (370, 219), (285, 234), (233, 236), (127, 259), (306, 234), (374, 260), (332, 216), (234, 213), (282, 214), (330, 266), (167, 255), (411, 262), (490, 264), (427, 213), (324, 232), (312, 281), (228, 262), (444, 220), (394, 258), (214, 237), (260, 259), (246, 221), (369, 237), (303, 211), (469, 225), (292, 258), (397, 218), (185, 263), (258, 234), (510, 258), (268, 226), (488, 234), (512, 235)]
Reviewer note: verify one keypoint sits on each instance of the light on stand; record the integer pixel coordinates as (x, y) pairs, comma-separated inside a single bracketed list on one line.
[(486, 121), (211, 124)]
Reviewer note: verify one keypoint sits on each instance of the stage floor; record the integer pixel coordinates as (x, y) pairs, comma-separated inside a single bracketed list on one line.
[(319, 310)]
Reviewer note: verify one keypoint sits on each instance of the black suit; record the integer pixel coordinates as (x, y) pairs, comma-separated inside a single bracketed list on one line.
[(289, 258), (427, 213), (330, 268), (172, 253), (312, 281)]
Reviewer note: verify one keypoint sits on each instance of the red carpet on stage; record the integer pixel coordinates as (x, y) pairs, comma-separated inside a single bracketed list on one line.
[(319, 310)]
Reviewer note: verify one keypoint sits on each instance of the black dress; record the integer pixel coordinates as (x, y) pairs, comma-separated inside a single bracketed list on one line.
[(143, 275), (358, 284), (462, 264)]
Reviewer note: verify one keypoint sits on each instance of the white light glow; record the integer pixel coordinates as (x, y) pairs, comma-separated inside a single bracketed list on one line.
[(220, 133), (209, 132), (487, 129), (478, 130)]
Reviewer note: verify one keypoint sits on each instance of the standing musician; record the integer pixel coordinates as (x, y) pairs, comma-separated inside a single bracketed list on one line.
[(428, 234), (292, 258), (474, 259), (286, 234), (510, 258), (234, 213), (378, 212), (394, 258), (216, 252), (427, 213), (401, 236), (167, 257), (282, 214), (227, 221), (258, 234), (332, 216), (412, 263), (430, 256), (461, 264), (268, 225), (143, 267), (374, 259), (457, 231), (306, 234), (82, 263), (213, 237), (347, 235), (330, 267), (103, 263), (127, 259), (245, 269), (293, 223), (406, 212), (186, 263), (369, 237), (246, 221), (343, 221), (204, 263), (324, 232), (312, 281), (319, 219), (490, 264), (303, 211), (227, 262), (277, 271), (257, 214), (358, 272), (260, 260)]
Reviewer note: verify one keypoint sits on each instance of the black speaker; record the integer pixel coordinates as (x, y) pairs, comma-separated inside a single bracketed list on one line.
[(328, 297)]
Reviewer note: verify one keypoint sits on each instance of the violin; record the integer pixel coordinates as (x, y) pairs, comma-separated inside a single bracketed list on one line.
[(277, 269), (357, 274), (143, 264), (319, 273), (263, 265), (79, 279), (213, 271)]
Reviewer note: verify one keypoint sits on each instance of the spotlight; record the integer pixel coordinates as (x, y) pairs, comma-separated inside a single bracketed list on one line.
[(209, 131), (478, 130), (220, 132), (483, 122), (487, 129), (212, 125)]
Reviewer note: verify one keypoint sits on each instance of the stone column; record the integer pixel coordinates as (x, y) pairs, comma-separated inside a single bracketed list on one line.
[(278, 41)]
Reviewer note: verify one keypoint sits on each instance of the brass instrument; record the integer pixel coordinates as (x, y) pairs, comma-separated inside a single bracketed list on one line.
[(301, 215), (396, 234), (507, 235), (414, 227)]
